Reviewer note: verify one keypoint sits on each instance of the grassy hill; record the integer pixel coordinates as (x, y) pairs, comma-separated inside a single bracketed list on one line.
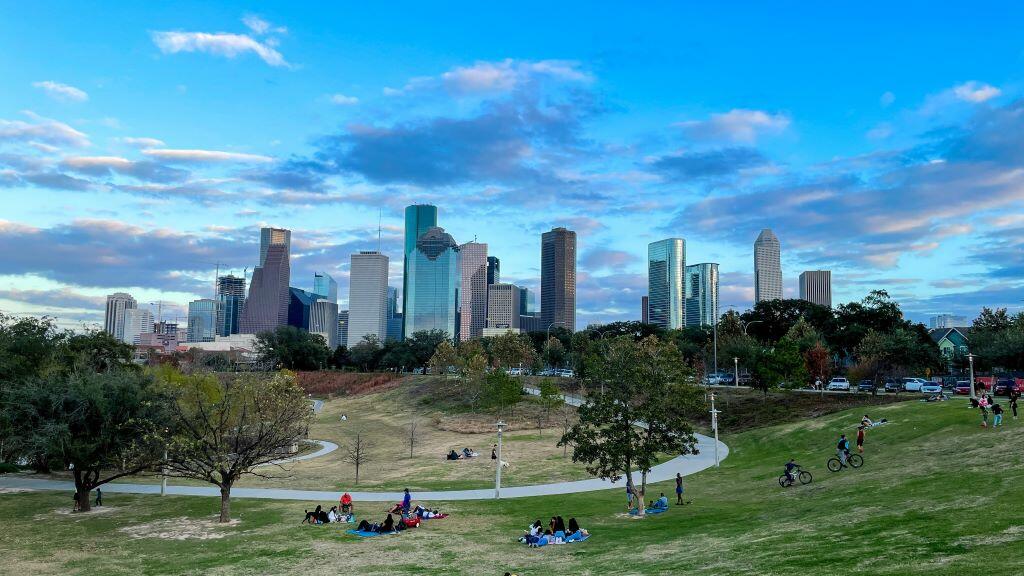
[(937, 495)]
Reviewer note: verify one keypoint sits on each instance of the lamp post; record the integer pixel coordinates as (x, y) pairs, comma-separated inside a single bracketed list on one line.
[(970, 360), (497, 469), (747, 325), (736, 368), (715, 336), (163, 479), (714, 425)]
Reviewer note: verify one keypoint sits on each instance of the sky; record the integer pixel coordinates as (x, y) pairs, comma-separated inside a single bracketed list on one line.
[(142, 145)]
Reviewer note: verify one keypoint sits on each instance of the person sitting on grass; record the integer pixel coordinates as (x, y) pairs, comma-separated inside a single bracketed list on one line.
[(322, 517), (453, 455), (574, 526), (468, 453), (332, 514), (661, 503), (387, 526), (365, 526)]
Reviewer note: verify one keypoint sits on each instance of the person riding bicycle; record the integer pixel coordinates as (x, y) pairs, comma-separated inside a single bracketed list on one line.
[(790, 467), (843, 449)]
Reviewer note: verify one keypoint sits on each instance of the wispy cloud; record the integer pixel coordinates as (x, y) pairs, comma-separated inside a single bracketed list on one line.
[(343, 100), (259, 26), (976, 92), (737, 125), (42, 130), (200, 156), (486, 77), (220, 44), (142, 142), (63, 92)]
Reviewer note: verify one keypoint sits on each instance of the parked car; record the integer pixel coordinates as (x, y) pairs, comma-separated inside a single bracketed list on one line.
[(913, 384), (931, 388), (515, 371), (1004, 385), (866, 386), (962, 387), (718, 378), (839, 383), (893, 386), (565, 373)]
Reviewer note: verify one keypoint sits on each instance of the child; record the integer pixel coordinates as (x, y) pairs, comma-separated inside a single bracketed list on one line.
[(860, 438), (997, 415)]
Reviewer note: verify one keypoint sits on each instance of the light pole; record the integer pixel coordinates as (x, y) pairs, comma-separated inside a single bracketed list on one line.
[(716, 343), (497, 470), (736, 367), (714, 425), (747, 325), (970, 360), (163, 480)]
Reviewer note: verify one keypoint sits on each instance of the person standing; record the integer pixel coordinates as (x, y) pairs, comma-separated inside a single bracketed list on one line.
[(997, 415), (1013, 403), (406, 503), (629, 496), (679, 489), (494, 452), (99, 496), (860, 439)]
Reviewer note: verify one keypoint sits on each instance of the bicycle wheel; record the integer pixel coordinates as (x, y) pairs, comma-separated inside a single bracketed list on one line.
[(805, 477), (834, 464), (855, 460), (782, 480)]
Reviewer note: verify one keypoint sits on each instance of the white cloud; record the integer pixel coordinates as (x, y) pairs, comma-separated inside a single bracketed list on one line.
[(976, 92), (259, 26), (205, 156), (220, 44), (42, 130), (113, 162), (343, 100), (880, 132), (887, 99), (501, 76), (737, 125), (63, 92), (142, 142)]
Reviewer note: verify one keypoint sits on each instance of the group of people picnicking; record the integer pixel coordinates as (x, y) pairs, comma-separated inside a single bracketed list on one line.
[(343, 512), (986, 404), (470, 453), (407, 516), (556, 532)]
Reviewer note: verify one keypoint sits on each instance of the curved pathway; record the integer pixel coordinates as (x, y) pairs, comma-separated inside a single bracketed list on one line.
[(685, 465)]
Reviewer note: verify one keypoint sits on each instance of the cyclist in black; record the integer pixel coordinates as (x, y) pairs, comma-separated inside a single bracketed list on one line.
[(790, 467), (843, 449)]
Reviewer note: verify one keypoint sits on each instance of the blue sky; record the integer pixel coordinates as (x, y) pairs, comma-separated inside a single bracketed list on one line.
[(142, 144)]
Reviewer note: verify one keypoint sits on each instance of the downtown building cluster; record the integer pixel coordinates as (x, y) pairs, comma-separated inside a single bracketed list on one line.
[(446, 286)]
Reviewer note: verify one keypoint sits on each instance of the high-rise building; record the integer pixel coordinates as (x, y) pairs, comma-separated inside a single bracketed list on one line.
[(300, 307), (343, 328), (666, 293), (644, 318), (271, 236), (558, 278), (266, 308), (947, 321), (230, 301), (702, 294), (394, 315), (137, 321), (767, 267), (493, 270), (816, 287), (503, 305), (418, 219), (368, 297), (323, 320), (527, 301), (325, 286), (473, 295), (113, 322), (433, 284), (202, 320)]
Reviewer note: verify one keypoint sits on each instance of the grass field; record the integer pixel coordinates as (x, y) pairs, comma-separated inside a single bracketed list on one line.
[(937, 495)]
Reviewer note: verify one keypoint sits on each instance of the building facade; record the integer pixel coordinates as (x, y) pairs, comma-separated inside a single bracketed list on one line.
[(527, 301), (137, 321), (343, 328), (325, 286), (323, 320), (418, 219), (266, 308), (948, 321), (644, 318), (702, 294), (473, 295), (503, 306), (767, 267), (113, 321), (271, 236), (300, 307), (202, 320), (230, 301), (394, 315), (816, 287), (434, 283), (368, 297), (493, 270), (666, 292), (558, 278)]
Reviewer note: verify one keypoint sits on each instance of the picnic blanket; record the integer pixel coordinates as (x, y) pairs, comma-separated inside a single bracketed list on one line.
[(438, 517), (364, 534), (570, 539), (634, 511)]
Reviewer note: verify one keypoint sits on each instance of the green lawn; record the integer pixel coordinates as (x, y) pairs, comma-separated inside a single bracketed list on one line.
[(937, 495)]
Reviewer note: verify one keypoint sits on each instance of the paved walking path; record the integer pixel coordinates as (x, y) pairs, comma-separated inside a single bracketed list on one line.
[(685, 465)]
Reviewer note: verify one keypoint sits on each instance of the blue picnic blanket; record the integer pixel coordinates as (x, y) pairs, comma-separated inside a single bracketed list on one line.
[(363, 534), (571, 539), (634, 511)]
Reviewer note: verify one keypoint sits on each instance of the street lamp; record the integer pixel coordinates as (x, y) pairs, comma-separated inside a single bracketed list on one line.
[(497, 470), (736, 367), (747, 325), (714, 425), (970, 360)]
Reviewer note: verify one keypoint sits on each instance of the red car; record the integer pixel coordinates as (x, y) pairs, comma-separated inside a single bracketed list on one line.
[(962, 387)]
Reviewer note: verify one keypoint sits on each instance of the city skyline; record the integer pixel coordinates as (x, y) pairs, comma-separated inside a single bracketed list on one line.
[(882, 182)]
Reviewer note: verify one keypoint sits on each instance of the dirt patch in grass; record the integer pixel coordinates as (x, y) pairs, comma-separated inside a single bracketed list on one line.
[(182, 528), (94, 511), (15, 490)]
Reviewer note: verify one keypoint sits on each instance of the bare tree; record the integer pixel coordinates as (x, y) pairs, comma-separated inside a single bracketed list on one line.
[(357, 452), (227, 428), (413, 429)]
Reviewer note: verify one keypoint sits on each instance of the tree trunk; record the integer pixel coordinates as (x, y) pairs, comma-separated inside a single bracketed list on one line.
[(357, 471), (82, 491), (225, 503)]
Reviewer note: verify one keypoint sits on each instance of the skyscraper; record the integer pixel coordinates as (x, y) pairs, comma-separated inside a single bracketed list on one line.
[(527, 301), (947, 321), (493, 270), (323, 320), (368, 297), (767, 267), (434, 282), (113, 321), (473, 297), (701, 294), (666, 293), (266, 308), (418, 219), (270, 236), (343, 328), (644, 318), (558, 278), (816, 287), (230, 301), (394, 315), (202, 320), (503, 304), (300, 307), (325, 286), (137, 321)]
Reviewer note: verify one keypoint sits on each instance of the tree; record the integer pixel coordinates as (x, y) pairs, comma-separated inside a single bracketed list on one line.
[(781, 364), (226, 428), (803, 335), (897, 352), (998, 340), (818, 363), (554, 352), (511, 350), (96, 351), (357, 452), (366, 354), (423, 344), (414, 435), (770, 320), (550, 398), (293, 349), (339, 358), (445, 358), (501, 391), (641, 414), (28, 347)]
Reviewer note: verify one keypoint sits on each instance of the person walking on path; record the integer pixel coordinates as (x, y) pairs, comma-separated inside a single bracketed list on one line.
[(99, 497), (997, 415), (406, 503), (679, 489)]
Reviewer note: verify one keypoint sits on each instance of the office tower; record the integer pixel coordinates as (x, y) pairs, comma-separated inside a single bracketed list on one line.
[(493, 270), (230, 301), (530, 323), (473, 295), (644, 319), (527, 302), (323, 320), (434, 282), (202, 320), (325, 286), (666, 293), (947, 321), (503, 305), (113, 322), (343, 328), (816, 287), (394, 315), (266, 308), (137, 322), (701, 294), (558, 279), (767, 267), (418, 219), (271, 236), (368, 297), (300, 305)]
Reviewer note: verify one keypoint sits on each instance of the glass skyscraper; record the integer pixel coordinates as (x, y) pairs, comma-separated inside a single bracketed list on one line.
[(202, 320), (325, 286), (767, 267), (230, 301), (300, 305), (434, 280), (701, 294), (558, 279), (666, 264), (418, 219)]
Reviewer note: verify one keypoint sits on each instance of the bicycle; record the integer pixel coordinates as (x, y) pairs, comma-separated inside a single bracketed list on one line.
[(852, 460), (799, 474)]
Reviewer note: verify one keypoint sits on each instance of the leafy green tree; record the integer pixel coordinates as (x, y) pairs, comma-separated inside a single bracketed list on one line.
[(804, 335), (501, 391), (511, 350), (781, 364), (423, 343), (770, 320), (645, 383), (96, 351), (291, 348), (898, 352), (28, 347), (998, 340), (554, 352), (366, 355), (445, 358), (339, 358)]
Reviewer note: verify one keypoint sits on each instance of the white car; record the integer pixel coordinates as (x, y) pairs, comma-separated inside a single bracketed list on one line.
[(931, 388), (914, 384), (839, 383), (566, 373)]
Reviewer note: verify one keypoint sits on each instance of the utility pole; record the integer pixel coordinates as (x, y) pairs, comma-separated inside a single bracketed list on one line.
[(714, 425)]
